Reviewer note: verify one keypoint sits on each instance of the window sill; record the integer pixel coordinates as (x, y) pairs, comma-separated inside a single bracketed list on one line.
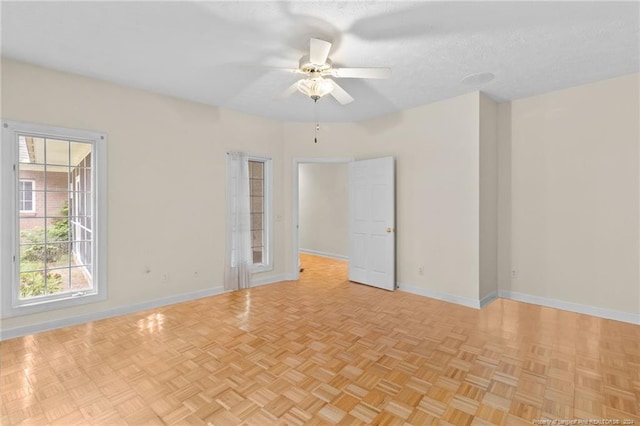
[(26, 308), (257, 269)]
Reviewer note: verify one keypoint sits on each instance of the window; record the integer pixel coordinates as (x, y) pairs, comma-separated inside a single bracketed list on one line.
[(55, 256), (260, 207), (27, 196)]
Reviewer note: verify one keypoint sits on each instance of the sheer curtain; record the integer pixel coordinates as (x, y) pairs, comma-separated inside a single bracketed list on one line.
[(238, 256)]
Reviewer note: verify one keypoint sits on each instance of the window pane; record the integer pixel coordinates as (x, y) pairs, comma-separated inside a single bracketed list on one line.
[(42, 283), (256, 169), (33, 173), (32, 284), (57, 255), (75, 228), (88, 205), (256, 187), (80, 154), (57, 152), (257, 256), (256, 221), (256, 238), (80, 203), (31, 257), (81, 253), (31, 230), (256, 204), (57, 281), (80, 278), (57, 178), (57, 204), (30, 150), (80, 179), (58, 230)]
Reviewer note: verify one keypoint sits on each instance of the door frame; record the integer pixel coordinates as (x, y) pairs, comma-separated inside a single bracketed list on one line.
[(295, 204)]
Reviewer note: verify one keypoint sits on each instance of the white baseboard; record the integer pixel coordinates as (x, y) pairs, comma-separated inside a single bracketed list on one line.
[(573, 307), (446, 297), (488, 298), (527, 298), (464, 301), (137, 307), (324, 254), (107, 313), (268, 280)]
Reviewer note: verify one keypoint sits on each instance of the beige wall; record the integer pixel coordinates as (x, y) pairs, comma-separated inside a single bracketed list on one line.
[(575, 195), (504, 196), (488, 133), (324, 208), (568, 187), (437, 180), (166, 178)]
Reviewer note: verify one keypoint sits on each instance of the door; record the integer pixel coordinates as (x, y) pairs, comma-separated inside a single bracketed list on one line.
[(372, 249)]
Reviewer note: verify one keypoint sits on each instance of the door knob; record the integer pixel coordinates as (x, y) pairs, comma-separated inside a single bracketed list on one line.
[(389, 230)]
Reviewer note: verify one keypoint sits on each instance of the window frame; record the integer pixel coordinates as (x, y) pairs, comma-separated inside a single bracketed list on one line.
[(33, 196), (267, 256), (10, 303)]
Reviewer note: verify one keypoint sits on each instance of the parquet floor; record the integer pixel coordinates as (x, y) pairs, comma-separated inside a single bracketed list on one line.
[(325, 351)]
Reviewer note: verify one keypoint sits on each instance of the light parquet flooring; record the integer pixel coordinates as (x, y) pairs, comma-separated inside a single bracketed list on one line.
[(322, 350)]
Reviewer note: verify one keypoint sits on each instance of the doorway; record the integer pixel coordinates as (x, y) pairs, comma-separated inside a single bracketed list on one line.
[(311, 200)]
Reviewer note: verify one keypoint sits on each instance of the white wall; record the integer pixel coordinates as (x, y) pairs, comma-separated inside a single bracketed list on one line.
[(324, 208), (575, 195), (488, 133), (166, 178), (437, 185)]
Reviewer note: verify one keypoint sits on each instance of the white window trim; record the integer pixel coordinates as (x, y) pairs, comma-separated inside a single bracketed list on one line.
[(10, 304), (33, 196), (267, 259)]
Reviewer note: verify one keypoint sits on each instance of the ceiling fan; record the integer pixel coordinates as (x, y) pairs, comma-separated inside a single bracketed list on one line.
[(317, 67)]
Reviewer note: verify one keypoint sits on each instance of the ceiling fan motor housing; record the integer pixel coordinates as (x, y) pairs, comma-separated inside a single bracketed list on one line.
[(306, 66)]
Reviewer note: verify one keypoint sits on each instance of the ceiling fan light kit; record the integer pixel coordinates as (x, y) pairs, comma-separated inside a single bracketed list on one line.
[(315, 88)]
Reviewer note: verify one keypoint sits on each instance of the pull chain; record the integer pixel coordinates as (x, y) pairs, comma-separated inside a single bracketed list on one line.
[(317, 124)]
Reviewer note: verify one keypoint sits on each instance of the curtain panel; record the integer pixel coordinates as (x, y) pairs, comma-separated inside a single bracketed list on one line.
[(238, 256)]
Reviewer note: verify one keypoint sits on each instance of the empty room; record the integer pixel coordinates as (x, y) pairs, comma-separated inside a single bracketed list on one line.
[(319, 212)]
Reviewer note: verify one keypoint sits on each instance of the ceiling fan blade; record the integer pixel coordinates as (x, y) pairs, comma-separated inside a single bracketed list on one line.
[(290, 90), (340, 94), (288, 70), (361, 72), (318, 51)]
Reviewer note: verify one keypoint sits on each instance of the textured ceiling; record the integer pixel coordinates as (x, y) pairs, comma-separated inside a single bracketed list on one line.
[(219, 53)]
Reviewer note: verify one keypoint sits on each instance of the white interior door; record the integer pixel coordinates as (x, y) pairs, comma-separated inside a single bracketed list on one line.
[(372, 249)]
